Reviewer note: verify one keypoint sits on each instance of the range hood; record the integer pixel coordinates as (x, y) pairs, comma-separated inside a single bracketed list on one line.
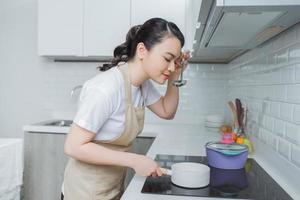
[(227, 28)]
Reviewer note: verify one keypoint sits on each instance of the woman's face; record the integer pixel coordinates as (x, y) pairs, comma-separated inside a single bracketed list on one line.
[(159, 62)]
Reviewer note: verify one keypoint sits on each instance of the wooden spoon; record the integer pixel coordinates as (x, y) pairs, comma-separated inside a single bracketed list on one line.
[(233, 110)]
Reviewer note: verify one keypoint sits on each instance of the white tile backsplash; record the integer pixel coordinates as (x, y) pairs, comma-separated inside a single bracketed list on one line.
[(204, 94), (295, 156), (279, 127), (294, 53), (267, 78), (293, 133), (278, 92), (269, 123), (282, 56), (286, 111), (264, 135), (273, 141), (265, 106), (275, 109), (293, 93), (288, 75), (296, 114), (297, 72), (284, 148)]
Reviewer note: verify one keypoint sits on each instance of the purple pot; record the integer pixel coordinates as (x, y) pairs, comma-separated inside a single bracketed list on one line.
[(219, 160), (224, 177)]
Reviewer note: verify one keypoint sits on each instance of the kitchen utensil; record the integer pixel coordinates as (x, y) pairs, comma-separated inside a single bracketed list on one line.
[(245, 111), (213, 124), (180, 82), (226, 156), (234, 114), (239, 110), (189, 174), (242, 120)]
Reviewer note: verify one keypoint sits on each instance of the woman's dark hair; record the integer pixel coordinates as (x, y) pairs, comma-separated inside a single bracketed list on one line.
[(152, 32)]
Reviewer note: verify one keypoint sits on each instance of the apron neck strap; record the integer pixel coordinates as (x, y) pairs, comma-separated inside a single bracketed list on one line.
[(125, 72), (127, 85)]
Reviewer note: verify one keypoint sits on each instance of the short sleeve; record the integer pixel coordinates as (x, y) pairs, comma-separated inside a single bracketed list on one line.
[(152, 95), (94, 109)]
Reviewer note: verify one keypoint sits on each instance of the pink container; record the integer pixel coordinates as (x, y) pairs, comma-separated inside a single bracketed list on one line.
[(227, 138)]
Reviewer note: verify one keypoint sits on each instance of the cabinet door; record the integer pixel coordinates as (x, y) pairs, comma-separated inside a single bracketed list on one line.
[(60, 27), (171, 10), (44, 164), (105, 26)]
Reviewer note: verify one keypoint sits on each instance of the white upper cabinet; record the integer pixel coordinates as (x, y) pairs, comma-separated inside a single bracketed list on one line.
[(106, 24), (60, 27), (171, 10), (93, 28)]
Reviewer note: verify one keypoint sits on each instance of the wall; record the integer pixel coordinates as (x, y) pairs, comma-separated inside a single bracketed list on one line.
[(28, 91), (203, 94), (33, 88), (267, 79)]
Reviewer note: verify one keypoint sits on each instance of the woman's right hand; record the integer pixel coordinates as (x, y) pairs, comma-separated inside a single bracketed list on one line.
[(145, 166)]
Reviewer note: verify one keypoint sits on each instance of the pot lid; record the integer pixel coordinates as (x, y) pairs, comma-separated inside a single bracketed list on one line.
[(227, 149)]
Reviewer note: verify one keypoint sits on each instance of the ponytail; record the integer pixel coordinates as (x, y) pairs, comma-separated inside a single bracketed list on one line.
[(123, 52), (153, 31)]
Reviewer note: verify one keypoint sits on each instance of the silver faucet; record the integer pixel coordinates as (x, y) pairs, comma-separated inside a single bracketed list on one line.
[(77, 87)]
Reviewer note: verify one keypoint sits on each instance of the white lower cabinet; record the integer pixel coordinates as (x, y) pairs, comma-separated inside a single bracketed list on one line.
[(44, 164), (45, 161)]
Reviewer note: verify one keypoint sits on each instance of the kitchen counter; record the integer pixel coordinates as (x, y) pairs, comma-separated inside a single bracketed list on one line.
[(189, 140), (179, 142)]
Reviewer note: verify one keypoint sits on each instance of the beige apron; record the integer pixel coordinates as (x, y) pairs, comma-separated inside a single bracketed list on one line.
[(83, 181)]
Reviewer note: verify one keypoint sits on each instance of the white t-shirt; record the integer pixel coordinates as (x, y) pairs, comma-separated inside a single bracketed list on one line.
[(102, 104)]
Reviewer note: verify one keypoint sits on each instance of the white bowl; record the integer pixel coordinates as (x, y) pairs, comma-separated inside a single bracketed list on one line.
[(214, 118), (213, 124)]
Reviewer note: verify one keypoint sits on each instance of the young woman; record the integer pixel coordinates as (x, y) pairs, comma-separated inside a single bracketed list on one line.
[(111, 111)]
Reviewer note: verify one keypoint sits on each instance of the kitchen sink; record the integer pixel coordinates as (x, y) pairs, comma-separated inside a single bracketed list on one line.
[(58, 123)]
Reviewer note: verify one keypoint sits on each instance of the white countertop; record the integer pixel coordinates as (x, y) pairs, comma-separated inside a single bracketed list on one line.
[(178, 139), (149, 130), (180, 142), (190, 140), (40, 128)]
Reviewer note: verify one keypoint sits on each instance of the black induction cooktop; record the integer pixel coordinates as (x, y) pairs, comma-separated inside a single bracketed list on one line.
[(251, 182)]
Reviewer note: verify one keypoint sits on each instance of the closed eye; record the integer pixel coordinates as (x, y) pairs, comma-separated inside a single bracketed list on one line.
[(168, 60)]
